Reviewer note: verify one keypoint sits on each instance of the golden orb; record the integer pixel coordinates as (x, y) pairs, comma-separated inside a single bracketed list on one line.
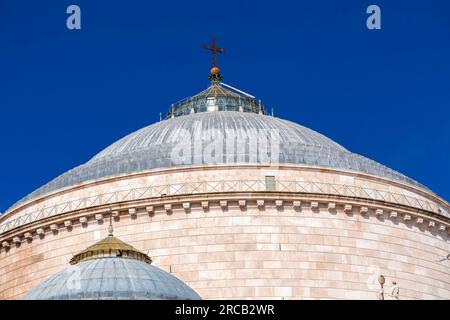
[(215, 70)]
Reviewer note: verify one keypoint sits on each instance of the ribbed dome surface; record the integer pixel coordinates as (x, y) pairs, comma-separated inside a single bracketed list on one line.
[(111, 279), (202, 125), (152, 147)]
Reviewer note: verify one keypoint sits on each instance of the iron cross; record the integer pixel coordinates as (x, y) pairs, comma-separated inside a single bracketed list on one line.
[(213, 47)]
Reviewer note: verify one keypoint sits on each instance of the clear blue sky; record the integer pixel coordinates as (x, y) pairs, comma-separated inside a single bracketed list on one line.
[(65, 95)]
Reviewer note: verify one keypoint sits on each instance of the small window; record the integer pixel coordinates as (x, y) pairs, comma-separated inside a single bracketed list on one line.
[(270, 183)]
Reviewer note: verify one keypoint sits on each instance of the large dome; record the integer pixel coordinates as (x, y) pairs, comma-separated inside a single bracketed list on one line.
[(153, 146)]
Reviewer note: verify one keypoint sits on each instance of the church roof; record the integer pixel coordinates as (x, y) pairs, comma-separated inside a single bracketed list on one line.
[(112, 279), (110, 247), (152, 147), (108, 270), (216, 113)]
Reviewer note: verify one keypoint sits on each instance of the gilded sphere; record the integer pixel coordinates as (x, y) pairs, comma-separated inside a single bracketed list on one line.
[(215, 70)]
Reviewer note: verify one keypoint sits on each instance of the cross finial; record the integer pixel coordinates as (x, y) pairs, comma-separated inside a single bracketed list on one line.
[(213, 47), (215, 71)]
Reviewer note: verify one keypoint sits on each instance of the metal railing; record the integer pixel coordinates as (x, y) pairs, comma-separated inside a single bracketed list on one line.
[(187, 188), (223, 103)]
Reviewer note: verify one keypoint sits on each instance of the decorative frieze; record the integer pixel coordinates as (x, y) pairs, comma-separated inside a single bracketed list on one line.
[(111, 197), (363, 209)]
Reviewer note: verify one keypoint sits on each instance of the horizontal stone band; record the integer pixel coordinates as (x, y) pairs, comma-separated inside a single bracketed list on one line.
[(223, 186)]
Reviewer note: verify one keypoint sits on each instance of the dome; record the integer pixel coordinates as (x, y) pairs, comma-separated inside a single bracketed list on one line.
[(109, 270), (110, 279), (213, 115), (152, 148)]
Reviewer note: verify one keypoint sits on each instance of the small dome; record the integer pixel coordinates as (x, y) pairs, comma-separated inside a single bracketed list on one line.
[(112, 279), (111, 270)]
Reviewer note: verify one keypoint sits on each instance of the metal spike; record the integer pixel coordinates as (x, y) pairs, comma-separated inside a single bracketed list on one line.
[(110, 229)]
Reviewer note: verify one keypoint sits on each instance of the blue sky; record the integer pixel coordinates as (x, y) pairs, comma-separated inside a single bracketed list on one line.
[(65, 95)]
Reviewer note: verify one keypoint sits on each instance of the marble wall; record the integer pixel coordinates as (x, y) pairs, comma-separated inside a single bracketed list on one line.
[(236, 252), (238, 245)]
